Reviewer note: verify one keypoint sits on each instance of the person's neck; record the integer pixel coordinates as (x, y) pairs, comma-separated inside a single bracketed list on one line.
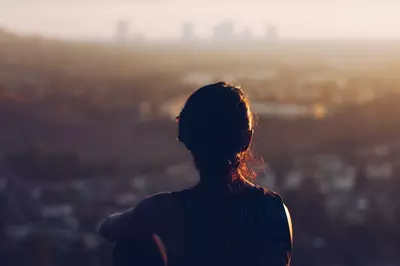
[(213, 182)]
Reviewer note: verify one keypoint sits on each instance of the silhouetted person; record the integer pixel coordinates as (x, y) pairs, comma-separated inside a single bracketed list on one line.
[(224, 219)]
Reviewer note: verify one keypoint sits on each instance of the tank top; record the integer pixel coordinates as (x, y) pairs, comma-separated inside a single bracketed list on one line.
[(249, 228)]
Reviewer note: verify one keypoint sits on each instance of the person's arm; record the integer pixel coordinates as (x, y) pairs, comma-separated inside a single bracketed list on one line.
[(289, 220), (146, 251)]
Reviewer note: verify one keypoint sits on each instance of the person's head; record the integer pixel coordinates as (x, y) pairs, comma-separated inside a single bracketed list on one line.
[(216, 125)]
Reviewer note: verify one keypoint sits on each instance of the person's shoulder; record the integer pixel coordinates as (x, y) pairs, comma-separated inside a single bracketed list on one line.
[(161, 202), (269, 194), (145, 214), (281, 217), (272, 200), (154, 198), (155, 201)]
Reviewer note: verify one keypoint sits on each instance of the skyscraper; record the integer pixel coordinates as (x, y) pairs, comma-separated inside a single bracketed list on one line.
[(272, 33), (188, 33), (224, 31), (122, 31), (246, 34)]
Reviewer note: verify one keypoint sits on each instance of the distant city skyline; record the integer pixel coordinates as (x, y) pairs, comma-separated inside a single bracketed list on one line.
[(223, 31), (164, 18)]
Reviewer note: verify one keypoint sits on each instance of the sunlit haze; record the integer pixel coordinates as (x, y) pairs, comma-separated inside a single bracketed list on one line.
[(164, 19)]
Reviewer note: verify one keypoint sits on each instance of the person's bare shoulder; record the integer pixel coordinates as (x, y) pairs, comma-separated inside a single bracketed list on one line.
[(137, 221)]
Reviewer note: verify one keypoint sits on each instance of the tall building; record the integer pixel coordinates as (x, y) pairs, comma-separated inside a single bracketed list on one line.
[(246, 34), (139, 37), (188, 33), (224, 31), (272, 33), (122, 31)]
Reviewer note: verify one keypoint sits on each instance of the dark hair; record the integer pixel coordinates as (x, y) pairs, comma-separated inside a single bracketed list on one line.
[(216, 125)]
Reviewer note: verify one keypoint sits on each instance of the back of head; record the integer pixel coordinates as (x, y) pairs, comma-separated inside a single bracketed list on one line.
[(216, 125)]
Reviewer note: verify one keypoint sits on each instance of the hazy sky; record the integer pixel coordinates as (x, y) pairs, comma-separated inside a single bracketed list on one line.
[(164, 18)]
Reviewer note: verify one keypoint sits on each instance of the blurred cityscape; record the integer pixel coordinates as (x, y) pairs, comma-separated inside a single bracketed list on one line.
[(224, 32), (88, 129)]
